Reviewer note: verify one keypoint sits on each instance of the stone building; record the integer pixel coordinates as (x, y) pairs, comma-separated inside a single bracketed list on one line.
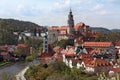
[(70, 31)]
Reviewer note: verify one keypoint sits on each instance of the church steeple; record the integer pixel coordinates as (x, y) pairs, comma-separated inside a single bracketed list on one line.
[(70, 22), (70, 19)]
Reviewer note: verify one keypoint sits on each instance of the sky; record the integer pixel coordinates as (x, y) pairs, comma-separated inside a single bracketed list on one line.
[(95, 13)]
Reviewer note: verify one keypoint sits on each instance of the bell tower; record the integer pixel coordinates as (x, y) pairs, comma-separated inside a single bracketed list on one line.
[(70, 23)]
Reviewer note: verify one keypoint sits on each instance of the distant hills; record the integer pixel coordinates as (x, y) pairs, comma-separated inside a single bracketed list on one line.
[(104, 30), (17, 25), (115, 30)]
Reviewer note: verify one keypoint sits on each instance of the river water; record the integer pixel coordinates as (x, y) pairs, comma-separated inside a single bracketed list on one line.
[(13, 69)]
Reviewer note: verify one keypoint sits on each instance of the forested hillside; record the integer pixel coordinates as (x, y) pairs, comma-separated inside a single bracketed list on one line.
[(17, 25), (8, 26)]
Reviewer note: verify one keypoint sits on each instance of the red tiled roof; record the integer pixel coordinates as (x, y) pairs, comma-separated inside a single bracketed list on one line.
[(96, 51), (22, 46), (53, 28), (70, 55), (96, 62), (97, 44), (43, 55), (117, 70), (63, 27), (79, 25), (85, 56), (118, 43), (5, 47), (4, 53), (58, 28)]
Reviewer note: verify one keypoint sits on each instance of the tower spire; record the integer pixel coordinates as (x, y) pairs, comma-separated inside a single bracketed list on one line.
[(70, 22), (70, 9)]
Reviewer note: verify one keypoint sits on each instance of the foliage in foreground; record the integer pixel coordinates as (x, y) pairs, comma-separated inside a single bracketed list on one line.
[(57, 71), (6, 76)]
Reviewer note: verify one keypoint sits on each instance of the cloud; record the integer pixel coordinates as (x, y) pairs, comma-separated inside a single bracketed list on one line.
[(114, 1), (97, 7), (55, 12), (62, 4), (20, 8), (103, 12)]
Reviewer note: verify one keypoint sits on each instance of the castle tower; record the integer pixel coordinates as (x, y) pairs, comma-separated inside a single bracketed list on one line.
[(70, 23), (45, 43)]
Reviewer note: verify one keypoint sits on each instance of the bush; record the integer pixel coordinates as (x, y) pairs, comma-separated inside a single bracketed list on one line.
[(29, 58), (57, 71)]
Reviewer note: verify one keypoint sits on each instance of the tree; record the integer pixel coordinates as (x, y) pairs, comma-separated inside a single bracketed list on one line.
[(6, 76), (7, 37), (57, 71), (29, 58), (35, 43), (63, 43), (113, 37), (100, 38)]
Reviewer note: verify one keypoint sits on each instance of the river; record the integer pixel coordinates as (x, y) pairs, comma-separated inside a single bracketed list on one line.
[(13, 69)]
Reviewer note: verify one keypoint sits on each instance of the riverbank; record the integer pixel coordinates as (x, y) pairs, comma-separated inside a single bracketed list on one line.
[(15, 68), (20, 75), (4, 64)]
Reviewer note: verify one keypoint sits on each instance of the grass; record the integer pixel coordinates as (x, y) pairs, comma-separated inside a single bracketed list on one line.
[(4, 63)]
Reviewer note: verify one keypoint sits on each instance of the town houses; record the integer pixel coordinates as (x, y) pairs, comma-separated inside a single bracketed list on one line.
[(94, 57)]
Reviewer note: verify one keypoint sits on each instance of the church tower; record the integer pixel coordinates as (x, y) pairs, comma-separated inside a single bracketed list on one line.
[(70, 23)]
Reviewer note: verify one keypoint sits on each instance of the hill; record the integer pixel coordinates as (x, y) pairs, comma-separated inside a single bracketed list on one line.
[(17, 25), (115, 30), (100, 29)]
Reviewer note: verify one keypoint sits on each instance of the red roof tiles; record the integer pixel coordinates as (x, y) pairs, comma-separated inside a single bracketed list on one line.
[(22, 46), (96, 62), (79, 25), (117, 70), (118, 43), (97, 44)]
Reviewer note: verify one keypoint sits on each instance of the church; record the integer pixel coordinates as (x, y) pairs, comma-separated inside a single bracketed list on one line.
[(71, 31)]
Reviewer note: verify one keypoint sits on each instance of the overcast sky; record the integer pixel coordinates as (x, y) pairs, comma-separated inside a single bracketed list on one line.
[(100, 13)]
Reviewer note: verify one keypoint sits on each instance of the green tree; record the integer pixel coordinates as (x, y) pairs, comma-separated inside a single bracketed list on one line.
[(63, 43), (6, 76), (29, 58), (113, 37), (100, 38), (35, 43)]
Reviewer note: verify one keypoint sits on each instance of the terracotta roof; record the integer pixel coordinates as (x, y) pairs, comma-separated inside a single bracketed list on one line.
[(117, 70), (96, 51), (22, 46), (58, 28), (85, 56), (45, 55), (89, 49), (4, 53), (70, 55), (118, 43), (63, 27), (97, 44), (5, 47), (96, 62), (53, 28), (79, 25)]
